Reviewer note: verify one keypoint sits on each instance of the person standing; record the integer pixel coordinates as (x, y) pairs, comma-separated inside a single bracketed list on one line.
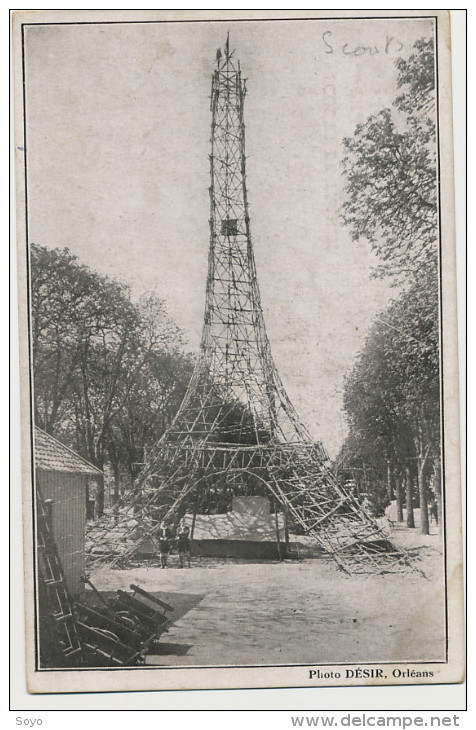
[(164, 536), (183, 542)]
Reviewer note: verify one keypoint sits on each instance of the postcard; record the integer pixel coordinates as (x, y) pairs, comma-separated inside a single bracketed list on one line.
[(239, 364)]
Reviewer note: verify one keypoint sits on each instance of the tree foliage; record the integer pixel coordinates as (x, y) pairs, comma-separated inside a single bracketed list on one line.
[(392, 395), (108, 374), (390, 170)]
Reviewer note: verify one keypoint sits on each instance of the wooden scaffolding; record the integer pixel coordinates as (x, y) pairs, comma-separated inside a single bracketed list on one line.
[(237, 431)]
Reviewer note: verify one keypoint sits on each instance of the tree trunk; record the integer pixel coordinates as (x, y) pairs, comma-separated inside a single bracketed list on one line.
[(364, 472), (117, 483), (438, 495), (399, 498), (423, 493), (409, 498), (389, 483), (100, 497)]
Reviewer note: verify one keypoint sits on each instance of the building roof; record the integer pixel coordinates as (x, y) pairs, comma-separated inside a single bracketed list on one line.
[(52, 455)]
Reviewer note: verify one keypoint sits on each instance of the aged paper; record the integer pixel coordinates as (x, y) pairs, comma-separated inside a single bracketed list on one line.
[(238, 356)]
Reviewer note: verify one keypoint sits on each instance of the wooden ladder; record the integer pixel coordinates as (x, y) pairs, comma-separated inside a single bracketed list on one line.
[(59, 640)]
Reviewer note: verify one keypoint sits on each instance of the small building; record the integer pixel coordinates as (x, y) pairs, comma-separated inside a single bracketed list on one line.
[(67, 480)]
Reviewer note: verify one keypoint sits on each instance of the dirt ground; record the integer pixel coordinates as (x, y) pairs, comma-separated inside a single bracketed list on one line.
[(296, 612)]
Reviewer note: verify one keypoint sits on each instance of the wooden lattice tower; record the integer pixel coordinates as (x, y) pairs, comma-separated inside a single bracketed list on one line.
[(236, 432)]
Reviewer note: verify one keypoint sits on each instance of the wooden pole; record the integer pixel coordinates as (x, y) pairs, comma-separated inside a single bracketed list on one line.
[(286, 532), (193, 524), (278, 540)]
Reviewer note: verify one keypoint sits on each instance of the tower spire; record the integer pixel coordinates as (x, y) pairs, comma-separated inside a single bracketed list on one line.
[(235, 369)]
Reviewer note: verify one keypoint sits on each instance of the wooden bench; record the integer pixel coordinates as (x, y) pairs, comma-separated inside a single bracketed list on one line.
[(120, 631), (152, 598), (125, 630), (105, 647), (144, 614)]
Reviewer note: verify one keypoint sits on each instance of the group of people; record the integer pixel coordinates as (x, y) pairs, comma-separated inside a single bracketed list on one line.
[(166, 541)]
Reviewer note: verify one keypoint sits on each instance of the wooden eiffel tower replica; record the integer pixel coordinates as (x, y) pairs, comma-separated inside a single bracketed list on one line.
[(236, 432)]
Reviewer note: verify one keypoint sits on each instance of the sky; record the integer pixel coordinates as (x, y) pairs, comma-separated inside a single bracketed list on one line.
[(117, 145)]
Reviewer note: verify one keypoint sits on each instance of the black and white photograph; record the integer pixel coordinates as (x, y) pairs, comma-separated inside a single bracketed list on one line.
[(238, 349)]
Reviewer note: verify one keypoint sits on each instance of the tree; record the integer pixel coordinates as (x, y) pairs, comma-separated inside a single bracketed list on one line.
[(392, 395), (63, 303), (99, 359), (390, 169), (148, 409)]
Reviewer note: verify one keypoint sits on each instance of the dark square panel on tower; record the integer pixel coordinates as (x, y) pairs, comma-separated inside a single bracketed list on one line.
[(229, 227)]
